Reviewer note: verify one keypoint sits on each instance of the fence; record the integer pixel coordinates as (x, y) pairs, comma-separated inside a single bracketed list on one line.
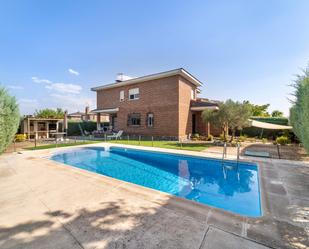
[(291, 152)]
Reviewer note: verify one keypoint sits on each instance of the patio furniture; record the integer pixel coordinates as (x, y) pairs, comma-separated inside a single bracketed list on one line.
[(59, 136), (115, 135)]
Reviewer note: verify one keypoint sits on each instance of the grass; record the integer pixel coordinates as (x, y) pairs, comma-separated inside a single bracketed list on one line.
[(165, 144), (160, 144), (51, 146)]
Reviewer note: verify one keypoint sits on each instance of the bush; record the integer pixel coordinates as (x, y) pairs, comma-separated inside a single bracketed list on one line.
[(242, 138), (74, 129), (210, 138), (20, 137), (195, 137), (222, 138), (9, 119), (283, 140)]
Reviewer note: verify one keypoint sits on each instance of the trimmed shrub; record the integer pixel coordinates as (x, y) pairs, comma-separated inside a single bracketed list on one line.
[(74, 127), (264, 140), (210, 138), (195, 137), (242, 138), (9, 119), (283, 140), (20, 137)]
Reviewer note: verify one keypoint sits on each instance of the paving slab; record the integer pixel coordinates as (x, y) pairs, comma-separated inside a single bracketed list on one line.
[(218, 239)]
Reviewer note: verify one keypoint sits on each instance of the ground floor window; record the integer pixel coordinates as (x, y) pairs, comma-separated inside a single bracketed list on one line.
[(134, 119), (150, 119)]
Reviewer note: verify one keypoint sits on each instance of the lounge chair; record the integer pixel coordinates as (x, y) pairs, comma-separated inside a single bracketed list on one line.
[(115, 135)]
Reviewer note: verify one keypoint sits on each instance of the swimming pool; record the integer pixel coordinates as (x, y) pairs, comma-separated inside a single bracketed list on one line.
[(231, 186)]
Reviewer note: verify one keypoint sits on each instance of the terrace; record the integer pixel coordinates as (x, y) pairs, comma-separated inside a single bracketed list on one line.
[(67, 207)]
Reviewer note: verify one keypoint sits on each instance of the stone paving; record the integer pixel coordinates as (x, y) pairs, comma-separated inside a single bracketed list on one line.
[(44, 204)]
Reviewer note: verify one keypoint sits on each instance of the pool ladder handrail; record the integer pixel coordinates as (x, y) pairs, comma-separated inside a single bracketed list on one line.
[(224, 154)]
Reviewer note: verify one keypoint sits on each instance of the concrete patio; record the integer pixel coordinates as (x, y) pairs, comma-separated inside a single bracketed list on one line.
[(44, 204)]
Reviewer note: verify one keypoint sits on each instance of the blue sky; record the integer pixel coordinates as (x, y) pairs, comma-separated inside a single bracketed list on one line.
[(244, 50)]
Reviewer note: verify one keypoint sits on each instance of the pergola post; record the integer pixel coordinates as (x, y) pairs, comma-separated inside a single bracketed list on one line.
[(98, 121), (47, 129), (28, 128), (208, 129)]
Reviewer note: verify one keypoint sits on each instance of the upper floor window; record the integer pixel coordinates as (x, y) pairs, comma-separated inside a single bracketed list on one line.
[(134, 119), (134, 93), (121, 97), (150, 119)]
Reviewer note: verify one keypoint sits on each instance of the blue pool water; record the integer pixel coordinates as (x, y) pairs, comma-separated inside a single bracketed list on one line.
[(231, 186)]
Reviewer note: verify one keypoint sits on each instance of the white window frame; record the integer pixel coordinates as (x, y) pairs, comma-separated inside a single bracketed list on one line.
[(121, 96), (134, 92), (150, 117)]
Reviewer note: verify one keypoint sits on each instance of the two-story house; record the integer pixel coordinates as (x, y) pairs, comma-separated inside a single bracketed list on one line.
[(161, 104)]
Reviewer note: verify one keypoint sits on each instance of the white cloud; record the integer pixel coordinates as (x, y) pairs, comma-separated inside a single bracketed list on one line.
[(71, 71), (71, 102), (40, 81), (64, 88), (59, 87), (15, 87)]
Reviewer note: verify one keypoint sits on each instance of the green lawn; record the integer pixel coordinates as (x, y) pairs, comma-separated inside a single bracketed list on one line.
[(51, 146), (160, 144), (165, 144)]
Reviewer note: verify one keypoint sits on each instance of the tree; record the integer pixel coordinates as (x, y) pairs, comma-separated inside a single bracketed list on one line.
[(49, 113), (9, 119), (299, 112), (231, 115), (258, 110), (276, 114)]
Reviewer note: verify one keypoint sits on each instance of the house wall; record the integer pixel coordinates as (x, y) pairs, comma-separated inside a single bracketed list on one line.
[(201, 126), (185, 115), (159, 97)]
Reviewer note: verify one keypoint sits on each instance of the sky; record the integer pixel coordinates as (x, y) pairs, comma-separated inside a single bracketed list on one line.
[(53, 52)]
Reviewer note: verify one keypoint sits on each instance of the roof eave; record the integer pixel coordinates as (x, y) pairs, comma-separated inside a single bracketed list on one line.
[(179, 71)]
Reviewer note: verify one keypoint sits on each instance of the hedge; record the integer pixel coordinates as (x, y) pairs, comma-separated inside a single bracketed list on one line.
[(272, 120), (9, 119), (257, 132), (74, 129)]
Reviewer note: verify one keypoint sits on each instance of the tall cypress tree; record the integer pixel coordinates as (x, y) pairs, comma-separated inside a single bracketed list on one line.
[(9, 118), (299, 112)]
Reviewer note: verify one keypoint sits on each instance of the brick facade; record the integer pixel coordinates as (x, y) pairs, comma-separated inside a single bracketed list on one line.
[(167, 98)]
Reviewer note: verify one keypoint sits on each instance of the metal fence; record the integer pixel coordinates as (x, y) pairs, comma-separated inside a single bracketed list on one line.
[(217, 147)]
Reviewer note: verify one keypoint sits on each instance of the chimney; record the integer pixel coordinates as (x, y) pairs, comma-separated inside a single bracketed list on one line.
[(121, 77), (87, 110), (87, 113)]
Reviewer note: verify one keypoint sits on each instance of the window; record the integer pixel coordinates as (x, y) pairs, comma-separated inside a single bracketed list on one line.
[(134, 119), (150, 119), (134, 93), (121, 97)]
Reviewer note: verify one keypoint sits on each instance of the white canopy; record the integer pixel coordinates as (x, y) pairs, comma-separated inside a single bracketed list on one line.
[(264, 125)]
